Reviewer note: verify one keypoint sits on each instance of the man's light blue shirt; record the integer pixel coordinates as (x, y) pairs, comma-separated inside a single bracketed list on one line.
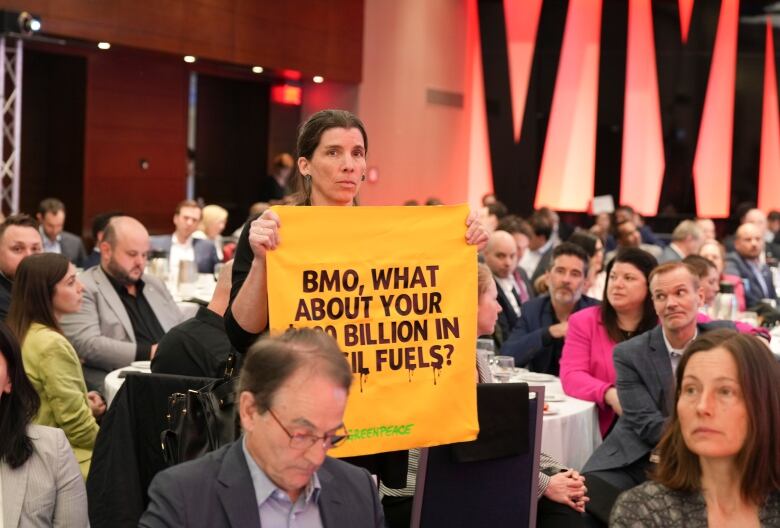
[(274, 505)]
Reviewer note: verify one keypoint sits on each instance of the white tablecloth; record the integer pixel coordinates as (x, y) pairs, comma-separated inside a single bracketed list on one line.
[(570, 432), (113, 382)]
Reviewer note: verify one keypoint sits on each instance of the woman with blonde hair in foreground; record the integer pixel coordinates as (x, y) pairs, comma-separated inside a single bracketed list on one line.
[(719, 460)]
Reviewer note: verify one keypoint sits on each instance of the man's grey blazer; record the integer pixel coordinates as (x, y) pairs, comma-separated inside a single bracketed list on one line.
[(216, 491), (646, 388), (48, 489), (101, 332), (205, 252), (72, 247)]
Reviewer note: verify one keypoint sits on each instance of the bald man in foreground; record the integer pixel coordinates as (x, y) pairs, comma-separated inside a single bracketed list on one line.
[(124, 313)]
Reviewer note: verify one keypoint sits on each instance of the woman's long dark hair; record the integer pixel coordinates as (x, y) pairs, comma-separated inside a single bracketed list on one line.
[(33, 290), (309, 136), (644, 262), (19, 407)]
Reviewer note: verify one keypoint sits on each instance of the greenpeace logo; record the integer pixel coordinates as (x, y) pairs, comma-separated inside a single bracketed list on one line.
[(381, 431)]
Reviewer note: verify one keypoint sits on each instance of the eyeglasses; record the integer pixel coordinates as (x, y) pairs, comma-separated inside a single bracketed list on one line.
[(305, 441)]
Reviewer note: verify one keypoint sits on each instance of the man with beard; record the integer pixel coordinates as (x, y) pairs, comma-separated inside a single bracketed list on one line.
[(122, 316), (746, 263), (19, 237), (537, 338)]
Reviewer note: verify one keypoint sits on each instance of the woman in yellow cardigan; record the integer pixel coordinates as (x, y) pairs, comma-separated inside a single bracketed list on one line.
[(45, 288)]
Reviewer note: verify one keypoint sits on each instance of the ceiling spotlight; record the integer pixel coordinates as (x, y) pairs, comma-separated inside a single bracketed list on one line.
[(104, 45), (319, 79), (257, 69), (189, 59), (28, 24)]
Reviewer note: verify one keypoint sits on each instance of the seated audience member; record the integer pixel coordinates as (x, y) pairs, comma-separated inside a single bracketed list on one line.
[(560, 230), (626, 212), (492, 214), (537, 339), (211, 226), (745, 263), (125, 313), (99, 223), (771, 250), (627, 235), (773, 225), (199, 346), (46, 288), (255, 210), (714, 251), (602, 228), (718, 463), (645, 367), (597, 277), (686, 240), (488, 198), (707, 227), (520, 231), (51, 217), (291, 398), (275, 186), (40, 478), (19, 238), (501, 257), (587, 368), (709, 279), (538, 246), (182, 245)]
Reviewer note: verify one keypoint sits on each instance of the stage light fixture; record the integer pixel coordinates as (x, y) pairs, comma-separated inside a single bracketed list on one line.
[(28, 24), (319, 79), (104, 45), (257, 69), (189, 59)]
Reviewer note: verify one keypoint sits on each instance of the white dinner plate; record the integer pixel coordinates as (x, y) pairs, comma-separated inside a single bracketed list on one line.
[(535, 376), (142, 364)]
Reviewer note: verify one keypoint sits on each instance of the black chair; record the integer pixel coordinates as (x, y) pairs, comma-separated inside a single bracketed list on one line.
[(497, 491), (128, 451)]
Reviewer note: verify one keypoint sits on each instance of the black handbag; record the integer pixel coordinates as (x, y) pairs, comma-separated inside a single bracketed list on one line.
[(201, 420)]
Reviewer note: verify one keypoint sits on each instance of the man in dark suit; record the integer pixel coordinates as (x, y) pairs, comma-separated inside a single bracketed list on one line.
[(537, 338), (745, 263), (51, 217), (19, 237), (292, 394), (501, 257), (645, 368), (182, 245), (687, 238)]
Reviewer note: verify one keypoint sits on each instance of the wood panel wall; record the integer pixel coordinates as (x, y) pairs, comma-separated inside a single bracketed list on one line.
[(136, 110), (316, 37)]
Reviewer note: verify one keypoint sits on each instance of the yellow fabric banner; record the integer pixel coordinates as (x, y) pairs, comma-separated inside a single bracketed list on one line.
[(397, 288)]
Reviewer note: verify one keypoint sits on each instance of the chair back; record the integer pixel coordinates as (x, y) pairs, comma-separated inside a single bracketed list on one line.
[(489, 492), (128, 452)]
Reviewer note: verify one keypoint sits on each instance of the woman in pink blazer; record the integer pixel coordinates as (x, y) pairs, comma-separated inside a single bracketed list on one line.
[(587, 370)]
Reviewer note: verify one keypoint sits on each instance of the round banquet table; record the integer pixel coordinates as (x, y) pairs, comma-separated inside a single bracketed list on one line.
[(570, 428)]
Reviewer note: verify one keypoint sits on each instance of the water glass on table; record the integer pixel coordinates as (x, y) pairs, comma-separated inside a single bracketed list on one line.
[(487, 348), (505, 367)]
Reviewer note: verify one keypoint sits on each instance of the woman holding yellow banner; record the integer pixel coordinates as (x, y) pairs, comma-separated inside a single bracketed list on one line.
[(331, 165)]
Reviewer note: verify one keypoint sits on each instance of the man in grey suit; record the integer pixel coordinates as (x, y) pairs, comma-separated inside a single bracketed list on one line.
[(182, 245), (645, 368), (687, 238), (51, 217), (292, 394), (124, 313)]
